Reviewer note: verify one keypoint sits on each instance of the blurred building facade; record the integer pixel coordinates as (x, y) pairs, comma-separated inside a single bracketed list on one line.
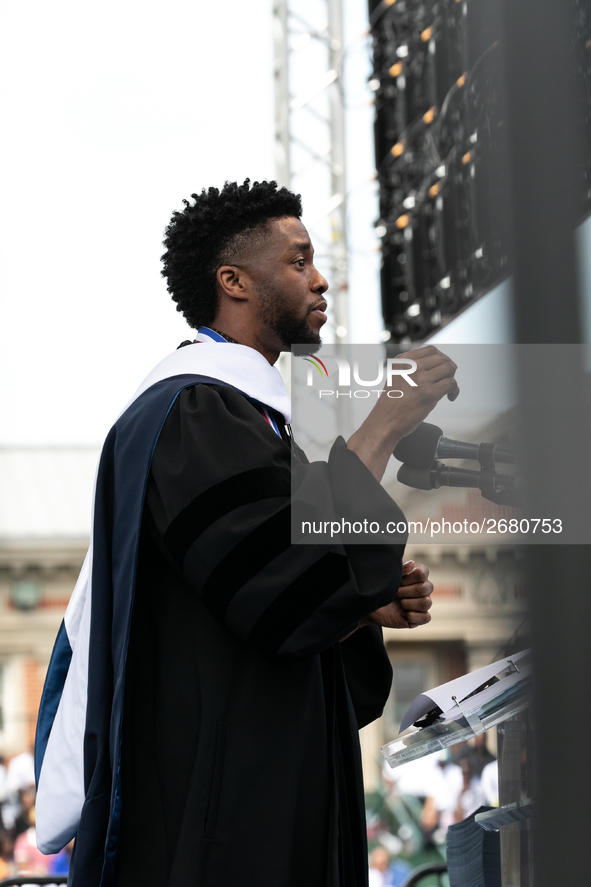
[(44, 530)]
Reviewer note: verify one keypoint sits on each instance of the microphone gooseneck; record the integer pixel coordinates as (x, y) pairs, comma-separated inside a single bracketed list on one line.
[(440, 475), (426, 444)]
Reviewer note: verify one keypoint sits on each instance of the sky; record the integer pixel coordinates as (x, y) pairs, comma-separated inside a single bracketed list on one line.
[(115, 112)]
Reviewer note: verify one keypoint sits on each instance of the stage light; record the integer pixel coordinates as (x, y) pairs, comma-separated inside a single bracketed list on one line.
[(385, 336), (413, 310), (389, 2), (374, 84), (341, 331), (441, 187)]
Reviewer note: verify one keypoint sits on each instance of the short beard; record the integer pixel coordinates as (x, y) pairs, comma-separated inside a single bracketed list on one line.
[(291, 330)]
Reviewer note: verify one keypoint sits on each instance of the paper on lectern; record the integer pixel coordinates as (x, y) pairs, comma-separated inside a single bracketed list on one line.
[(462, 709), (447, 695)]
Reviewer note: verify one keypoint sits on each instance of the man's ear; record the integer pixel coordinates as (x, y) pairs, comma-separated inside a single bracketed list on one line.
[(232, 281)]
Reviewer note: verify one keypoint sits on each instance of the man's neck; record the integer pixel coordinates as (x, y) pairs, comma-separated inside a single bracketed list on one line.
[(225, 336)]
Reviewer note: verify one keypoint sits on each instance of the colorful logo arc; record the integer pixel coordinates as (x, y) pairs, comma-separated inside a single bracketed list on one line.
[(316, 362)]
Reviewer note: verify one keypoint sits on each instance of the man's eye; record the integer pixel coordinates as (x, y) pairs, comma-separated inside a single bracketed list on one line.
[(300, 262)]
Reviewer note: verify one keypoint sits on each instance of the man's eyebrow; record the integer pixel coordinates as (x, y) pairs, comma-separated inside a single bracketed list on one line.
[(300, 247)]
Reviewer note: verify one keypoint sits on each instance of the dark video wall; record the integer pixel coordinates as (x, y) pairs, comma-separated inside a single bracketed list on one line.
[(441, 154)]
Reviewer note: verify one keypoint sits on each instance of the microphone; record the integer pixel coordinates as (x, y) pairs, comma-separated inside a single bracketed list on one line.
[(426, 444), (440, 475)]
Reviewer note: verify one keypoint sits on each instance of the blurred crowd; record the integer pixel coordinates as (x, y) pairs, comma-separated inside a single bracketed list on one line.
[(409, 818), (18, 847)]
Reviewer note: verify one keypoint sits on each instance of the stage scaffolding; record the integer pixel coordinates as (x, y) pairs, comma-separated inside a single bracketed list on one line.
[(310, 134)]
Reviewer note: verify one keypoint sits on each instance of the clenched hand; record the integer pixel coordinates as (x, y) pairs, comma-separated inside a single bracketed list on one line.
[(411, 607)]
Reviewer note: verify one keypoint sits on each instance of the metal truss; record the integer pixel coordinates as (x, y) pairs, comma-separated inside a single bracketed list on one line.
[(310, 133)]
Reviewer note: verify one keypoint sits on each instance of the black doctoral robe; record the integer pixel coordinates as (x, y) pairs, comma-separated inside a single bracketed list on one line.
[(240, 759)]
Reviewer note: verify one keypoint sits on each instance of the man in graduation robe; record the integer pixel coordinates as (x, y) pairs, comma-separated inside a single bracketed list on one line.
[(200, 716)]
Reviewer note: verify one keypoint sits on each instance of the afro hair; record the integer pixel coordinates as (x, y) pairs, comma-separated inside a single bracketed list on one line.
[(214, 231)]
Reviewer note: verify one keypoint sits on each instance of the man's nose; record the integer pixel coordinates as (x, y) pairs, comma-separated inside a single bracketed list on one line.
[(319, 284)]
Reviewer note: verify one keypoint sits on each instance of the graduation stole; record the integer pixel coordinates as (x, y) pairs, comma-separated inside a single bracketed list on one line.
[(217, 337)]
